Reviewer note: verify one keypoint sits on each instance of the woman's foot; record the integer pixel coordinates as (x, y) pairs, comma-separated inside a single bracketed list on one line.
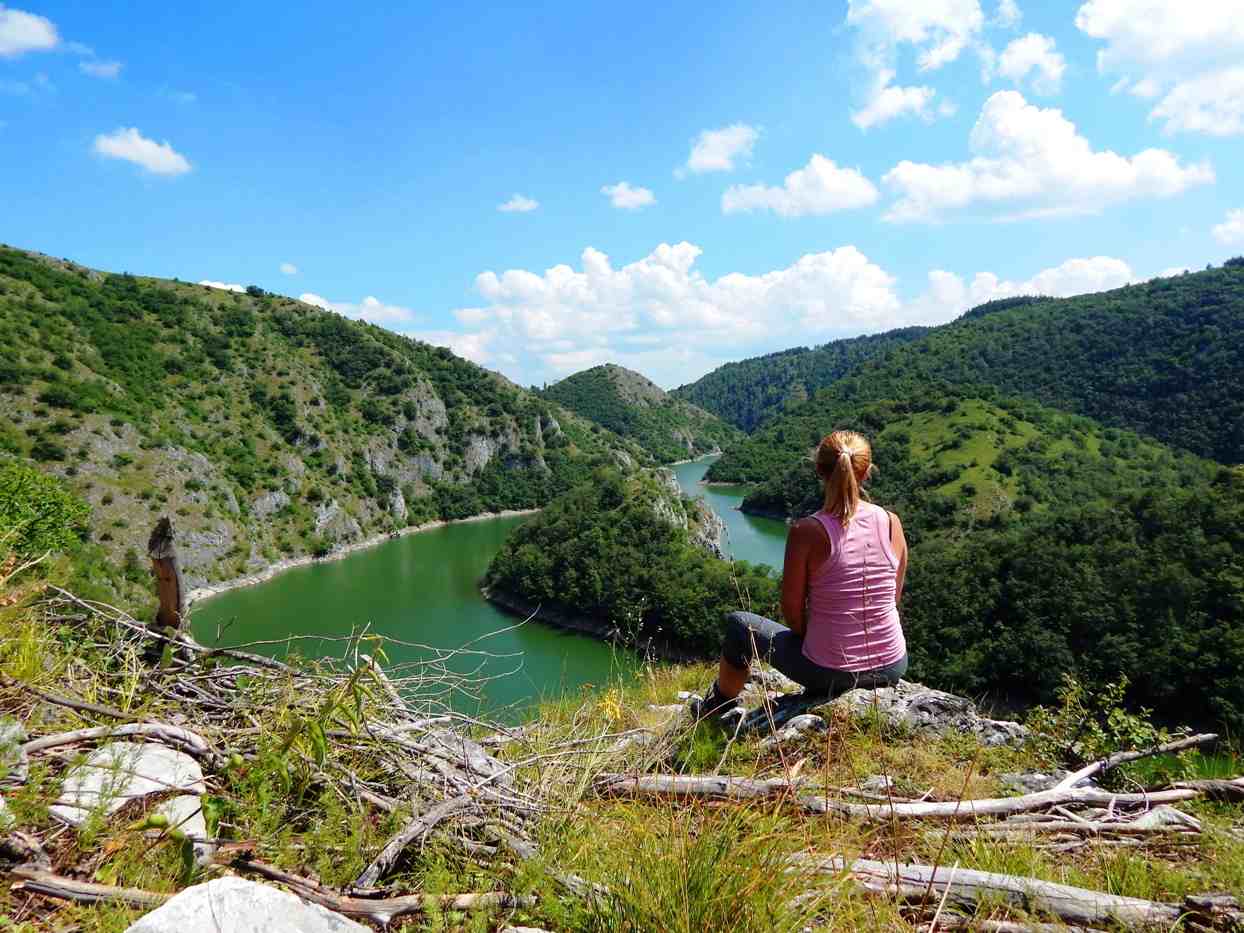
[(714, 705)]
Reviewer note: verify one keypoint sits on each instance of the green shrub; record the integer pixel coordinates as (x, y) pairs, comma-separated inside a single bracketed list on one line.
[(37, 513)]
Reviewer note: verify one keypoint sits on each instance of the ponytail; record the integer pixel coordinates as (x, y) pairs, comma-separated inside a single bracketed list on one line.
[(844, 461)]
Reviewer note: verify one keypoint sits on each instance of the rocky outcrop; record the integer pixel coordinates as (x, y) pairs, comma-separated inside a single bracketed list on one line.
[(13, 763), (908, 706), (334, 523), (706, 527), (239, 906), (269, 503)]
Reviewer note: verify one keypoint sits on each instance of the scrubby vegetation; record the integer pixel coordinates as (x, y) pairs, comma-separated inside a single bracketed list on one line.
[(616, 550), (266, 427), (750, 392), (629, 405)]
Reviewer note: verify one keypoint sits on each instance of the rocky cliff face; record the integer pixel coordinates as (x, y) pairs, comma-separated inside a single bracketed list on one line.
[(266, 428)]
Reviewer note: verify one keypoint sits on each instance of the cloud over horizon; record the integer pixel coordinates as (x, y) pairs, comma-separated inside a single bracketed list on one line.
[(129, 145)]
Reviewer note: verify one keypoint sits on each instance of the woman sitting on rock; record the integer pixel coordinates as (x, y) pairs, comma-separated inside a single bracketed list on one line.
[(841, 582)]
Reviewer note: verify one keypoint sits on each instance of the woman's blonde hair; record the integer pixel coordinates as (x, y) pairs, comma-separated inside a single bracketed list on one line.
[(844, 460)]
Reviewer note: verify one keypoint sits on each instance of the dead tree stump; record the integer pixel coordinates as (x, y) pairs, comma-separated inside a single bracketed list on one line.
[(169, 585)]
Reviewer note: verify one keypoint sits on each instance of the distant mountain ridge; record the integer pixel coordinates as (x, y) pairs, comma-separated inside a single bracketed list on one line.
[(634, 407), (749, 392), (1164, 358), (266, 427)]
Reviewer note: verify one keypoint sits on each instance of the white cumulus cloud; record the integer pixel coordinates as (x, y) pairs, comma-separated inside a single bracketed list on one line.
[(518, 204), (720, 150), (1187, 52), (820, 187), (1231, 231), (288, 268), (370, 309), (661, 316), (886, 101), (938, 29), (626, 197), (226, 286), (100, 69), (1029, 161), (949, 295), (1035, 56), (1008, 14), (130, 145), (22, 32)]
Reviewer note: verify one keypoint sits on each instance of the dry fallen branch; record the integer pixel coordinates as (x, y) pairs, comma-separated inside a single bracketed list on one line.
[(1068, 903), (416, 829), (693, 785), (175, 736), (34, 881), (382, 910), (1120, 758)]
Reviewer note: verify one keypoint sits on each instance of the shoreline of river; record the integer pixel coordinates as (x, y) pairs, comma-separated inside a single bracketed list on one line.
[(558, 616), (711, 453), (209, 590)]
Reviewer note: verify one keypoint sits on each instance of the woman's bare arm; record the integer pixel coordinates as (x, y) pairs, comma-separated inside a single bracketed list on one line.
[(803, 541), (899, 543)]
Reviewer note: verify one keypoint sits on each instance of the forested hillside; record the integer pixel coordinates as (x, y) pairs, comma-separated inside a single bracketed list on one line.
[(1045, 544), (749, 392), (266, 427), (627, 553), (631, 405), (1165, 358)]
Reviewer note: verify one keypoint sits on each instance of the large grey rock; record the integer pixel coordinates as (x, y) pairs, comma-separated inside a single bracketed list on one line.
[(1031, 782), (269, 503), (907, 705), (13, 764), (234, 905), (116, 773), (923, 709)]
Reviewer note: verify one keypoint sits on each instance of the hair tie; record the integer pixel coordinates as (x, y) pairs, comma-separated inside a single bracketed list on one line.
[(845, 455)]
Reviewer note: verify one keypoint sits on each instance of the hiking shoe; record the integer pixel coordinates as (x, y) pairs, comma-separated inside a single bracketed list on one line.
[(713, 706)]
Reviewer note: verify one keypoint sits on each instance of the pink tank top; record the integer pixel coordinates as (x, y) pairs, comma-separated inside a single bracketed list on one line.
[(853, 622)]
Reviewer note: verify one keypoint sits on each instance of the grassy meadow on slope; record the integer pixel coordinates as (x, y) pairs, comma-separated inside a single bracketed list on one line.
[(1164, 358), (268, 428), (632, 406)]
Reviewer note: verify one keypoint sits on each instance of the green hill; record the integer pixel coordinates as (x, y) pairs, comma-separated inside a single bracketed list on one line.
[(630, 405), (266, 427), (629, 558), (1044, 544), (749, 392), (1164, 358)]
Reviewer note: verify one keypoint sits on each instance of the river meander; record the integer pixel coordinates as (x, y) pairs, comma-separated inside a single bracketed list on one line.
[(420, 592)]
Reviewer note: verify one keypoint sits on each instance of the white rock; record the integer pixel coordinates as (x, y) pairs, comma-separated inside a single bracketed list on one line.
[(116, 773), (234, 905), (6, 816)]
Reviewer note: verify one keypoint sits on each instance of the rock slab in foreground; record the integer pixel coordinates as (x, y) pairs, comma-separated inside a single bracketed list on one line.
[(13, 763), (923, 709), (116, 773), (234, 905), (907, 705)]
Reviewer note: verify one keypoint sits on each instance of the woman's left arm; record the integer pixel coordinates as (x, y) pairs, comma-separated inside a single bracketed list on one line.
[(803, 537)]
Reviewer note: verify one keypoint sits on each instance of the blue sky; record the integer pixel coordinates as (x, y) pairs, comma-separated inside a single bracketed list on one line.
[(695, 184)]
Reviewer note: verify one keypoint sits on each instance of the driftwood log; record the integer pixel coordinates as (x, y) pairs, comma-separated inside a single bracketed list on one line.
[(966, 888), (686, 785), (1119, 758), (169, 584), (416, 830)]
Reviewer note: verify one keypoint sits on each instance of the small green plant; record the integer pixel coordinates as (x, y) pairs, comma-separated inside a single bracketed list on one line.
[(1091, 724)]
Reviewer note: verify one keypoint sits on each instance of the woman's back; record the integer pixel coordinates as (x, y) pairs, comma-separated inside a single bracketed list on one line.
[(853, 621)]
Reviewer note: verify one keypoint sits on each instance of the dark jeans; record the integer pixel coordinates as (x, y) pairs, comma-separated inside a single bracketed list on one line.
[(751, 636)]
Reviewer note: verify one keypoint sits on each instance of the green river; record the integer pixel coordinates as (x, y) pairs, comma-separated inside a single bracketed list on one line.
[(421, 590)]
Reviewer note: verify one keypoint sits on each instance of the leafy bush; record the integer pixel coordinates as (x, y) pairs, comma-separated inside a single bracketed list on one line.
[(37, 513)]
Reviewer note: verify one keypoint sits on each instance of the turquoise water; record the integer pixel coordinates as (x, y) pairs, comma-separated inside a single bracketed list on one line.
[(749, 538), (420, 593)]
